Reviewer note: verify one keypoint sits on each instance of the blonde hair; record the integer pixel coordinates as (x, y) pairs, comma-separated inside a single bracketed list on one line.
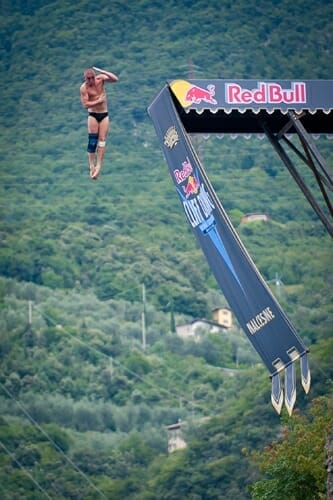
[(89, 71)]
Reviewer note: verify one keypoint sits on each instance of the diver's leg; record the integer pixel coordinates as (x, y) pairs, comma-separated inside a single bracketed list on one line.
[(102, 136), (92, 129)]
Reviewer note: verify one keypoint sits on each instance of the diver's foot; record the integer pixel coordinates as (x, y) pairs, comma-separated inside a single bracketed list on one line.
[(92, 170), (96, 172)]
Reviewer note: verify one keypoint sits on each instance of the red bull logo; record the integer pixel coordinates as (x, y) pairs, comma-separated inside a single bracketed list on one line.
[(185, 172), (270, 93), (192, 186), (197, 94)]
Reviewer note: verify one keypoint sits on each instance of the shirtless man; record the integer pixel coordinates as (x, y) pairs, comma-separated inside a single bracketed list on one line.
[(93, 98)]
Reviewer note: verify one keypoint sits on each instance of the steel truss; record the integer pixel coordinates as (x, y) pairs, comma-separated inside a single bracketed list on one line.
[(310, 157)]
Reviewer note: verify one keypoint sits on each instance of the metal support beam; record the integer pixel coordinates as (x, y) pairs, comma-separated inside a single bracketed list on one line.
[(321, 172)]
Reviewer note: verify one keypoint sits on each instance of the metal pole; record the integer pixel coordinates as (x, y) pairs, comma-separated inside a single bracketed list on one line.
[(143, 317), (30, 312)]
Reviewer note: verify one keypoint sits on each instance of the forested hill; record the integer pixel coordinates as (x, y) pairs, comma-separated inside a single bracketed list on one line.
[(84, 406)]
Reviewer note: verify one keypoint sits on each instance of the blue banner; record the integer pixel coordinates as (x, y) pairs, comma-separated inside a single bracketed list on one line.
[(257, 311)]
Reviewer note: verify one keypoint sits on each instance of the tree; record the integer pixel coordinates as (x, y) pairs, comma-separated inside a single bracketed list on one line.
[(329, 465), (294, 467), (26, 455)]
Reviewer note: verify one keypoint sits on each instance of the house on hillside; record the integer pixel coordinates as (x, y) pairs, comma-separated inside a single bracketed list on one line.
[(254, 217), (223, 316), (198, 327), (175, 437)]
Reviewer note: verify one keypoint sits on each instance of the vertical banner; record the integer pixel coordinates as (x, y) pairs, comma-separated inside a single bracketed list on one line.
[(260, 316)]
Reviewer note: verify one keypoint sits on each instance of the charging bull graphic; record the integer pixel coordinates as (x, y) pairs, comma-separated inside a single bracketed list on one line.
[(197, 94), (189, 94), (257, 311)]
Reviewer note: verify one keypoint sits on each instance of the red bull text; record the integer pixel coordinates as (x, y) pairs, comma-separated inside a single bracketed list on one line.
[(182, 175), (271, 93)]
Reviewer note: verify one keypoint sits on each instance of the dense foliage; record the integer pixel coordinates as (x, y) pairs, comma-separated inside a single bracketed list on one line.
[(294, 466), (84, 407)]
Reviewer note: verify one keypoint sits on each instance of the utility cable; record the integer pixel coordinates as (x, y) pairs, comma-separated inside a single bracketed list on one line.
[(174, 395), (36, 483), (48, 437)]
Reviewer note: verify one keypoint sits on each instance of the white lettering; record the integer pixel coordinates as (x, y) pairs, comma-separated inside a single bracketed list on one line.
[(271, 93), (260, 320), (205, 201), (193, 213)]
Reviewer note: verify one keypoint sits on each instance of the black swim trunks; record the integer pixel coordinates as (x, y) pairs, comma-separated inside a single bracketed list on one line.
[(99, 116)]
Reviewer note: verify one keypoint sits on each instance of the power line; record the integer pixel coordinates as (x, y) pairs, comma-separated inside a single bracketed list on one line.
[(118, 294), (175, 395), (48, 437), (36, 483)]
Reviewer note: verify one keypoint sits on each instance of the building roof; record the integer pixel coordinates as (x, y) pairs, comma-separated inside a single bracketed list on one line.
[(203, 320)]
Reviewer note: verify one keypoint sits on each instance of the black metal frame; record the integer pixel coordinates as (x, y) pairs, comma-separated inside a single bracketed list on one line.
[(311, 157)]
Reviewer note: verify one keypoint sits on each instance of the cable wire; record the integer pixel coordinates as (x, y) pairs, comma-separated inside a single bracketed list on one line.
[(48, 437), (36, 483), (174, 395)]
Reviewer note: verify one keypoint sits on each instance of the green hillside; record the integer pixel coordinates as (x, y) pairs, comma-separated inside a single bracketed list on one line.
[(84, 407)]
